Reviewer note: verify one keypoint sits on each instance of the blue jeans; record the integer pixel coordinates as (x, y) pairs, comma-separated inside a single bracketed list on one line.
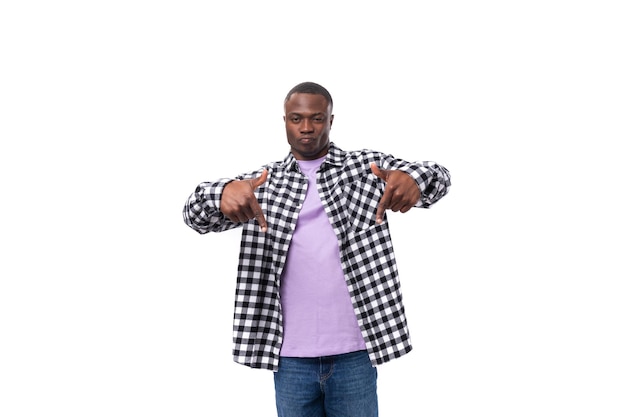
[(328, 386)]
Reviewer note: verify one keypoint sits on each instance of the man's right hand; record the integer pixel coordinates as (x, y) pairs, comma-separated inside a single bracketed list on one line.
[(239, 203)]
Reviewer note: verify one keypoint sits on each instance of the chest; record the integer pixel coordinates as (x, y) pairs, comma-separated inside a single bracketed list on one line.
[(349, 197)]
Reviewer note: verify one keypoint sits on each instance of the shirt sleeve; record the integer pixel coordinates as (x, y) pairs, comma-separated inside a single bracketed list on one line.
[(433, 180), (202, 209)]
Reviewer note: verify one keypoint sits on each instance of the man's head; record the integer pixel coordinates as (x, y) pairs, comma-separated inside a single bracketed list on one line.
[(308, 119)]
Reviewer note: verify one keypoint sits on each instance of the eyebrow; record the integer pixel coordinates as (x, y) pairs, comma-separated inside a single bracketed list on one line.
[(295, 113)]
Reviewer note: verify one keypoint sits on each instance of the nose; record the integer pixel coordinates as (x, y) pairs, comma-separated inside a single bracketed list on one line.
[(306, 126)]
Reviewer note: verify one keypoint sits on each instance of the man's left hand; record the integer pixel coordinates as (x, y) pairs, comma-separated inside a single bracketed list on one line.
[(401, 191)]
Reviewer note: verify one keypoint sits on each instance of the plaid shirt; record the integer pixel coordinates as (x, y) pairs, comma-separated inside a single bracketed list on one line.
[(350, 193)]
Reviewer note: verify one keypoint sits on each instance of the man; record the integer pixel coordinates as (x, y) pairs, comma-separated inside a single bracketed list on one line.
[(318, 298)]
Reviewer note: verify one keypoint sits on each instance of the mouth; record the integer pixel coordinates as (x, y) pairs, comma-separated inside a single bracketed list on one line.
[(306, 140)]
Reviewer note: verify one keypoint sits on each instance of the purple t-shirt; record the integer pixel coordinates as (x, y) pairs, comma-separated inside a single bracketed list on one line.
[(318, 317)]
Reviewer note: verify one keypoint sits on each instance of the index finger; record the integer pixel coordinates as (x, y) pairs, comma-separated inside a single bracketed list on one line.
[(383, 204), (259, 216), (384, 201), (256, 207)]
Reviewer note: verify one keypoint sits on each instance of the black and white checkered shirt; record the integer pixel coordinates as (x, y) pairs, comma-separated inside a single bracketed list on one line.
[(350, 193)]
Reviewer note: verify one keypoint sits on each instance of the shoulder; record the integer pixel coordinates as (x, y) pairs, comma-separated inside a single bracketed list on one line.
[(358, 156)]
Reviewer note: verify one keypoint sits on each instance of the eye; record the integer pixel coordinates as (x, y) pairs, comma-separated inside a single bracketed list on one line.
[(318, 119), (295, 119)]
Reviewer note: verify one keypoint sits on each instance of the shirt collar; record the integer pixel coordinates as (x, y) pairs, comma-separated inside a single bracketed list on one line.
[(334, 157)]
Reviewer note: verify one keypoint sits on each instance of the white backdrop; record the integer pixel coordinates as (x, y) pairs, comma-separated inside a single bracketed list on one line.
[(112, 112)]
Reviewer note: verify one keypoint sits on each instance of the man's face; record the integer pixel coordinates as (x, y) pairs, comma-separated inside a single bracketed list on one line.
[(308, 121)]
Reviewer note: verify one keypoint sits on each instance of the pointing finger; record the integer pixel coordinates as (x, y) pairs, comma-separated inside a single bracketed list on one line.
[(260, 218), (380, 212), (383, 204), (256, 208)]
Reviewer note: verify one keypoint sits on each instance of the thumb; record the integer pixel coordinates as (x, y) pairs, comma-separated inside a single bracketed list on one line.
[(256, 182), (380, 173)]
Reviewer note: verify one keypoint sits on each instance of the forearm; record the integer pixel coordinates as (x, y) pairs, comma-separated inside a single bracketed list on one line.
[(201, 211)]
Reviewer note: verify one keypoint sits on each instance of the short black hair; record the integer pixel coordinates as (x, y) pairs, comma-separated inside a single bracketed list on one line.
[(309, 87)]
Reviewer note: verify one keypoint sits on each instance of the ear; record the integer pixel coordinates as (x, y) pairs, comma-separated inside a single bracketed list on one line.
[(332, 117)]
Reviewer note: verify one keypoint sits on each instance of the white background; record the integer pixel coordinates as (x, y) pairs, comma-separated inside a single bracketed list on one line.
[(112, 112)]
